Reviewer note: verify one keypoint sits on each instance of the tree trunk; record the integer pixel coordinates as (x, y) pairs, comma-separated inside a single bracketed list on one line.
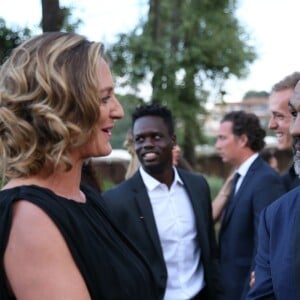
[(52, 17)]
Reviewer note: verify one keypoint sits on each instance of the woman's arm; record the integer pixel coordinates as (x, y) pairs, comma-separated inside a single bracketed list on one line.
[(37, 260), (219, 203)]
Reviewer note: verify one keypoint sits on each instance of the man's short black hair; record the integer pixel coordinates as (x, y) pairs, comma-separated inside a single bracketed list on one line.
[(155, 109)]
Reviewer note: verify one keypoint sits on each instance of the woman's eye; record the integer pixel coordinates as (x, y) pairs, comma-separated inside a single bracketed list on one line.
[(105, 99)]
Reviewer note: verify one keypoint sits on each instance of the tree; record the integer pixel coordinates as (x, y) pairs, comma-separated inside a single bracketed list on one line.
[(129, 103), (52, 17), (182, 46), (10, 38), (56, 18)]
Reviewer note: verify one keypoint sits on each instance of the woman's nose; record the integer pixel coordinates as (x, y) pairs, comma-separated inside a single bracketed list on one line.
[(117, 111)]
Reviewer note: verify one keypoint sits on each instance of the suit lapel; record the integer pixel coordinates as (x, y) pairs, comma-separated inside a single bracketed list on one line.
[(194, 192), (146, 213), (250, 173)]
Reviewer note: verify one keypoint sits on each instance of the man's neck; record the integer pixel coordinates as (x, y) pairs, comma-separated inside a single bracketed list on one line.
[(166, 176)]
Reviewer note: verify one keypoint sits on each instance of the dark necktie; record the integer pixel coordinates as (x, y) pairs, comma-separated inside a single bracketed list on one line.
[(233, 186), (232, 192)]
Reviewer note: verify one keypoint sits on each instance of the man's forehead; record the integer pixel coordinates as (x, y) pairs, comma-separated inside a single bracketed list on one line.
[(226, 125), (281, 95)]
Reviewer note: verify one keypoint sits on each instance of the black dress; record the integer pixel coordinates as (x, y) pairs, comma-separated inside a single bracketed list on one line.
[(111, 267)]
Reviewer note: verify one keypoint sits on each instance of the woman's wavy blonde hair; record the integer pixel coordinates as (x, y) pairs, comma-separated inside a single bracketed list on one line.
[(49, 101)]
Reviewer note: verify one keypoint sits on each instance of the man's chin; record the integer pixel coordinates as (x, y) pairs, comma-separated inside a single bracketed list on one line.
[(283, 146), (153, 168), (224, 159), (284, 142)]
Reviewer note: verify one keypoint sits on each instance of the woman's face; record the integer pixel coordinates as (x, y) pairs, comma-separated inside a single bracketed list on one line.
[(110, 109)]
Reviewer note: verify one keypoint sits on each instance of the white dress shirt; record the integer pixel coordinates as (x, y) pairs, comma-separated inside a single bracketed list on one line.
[(175, 221), (243, 169)]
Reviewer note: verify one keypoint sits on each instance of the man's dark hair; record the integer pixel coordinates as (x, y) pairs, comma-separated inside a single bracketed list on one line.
[(155, 109), (248, 124), (288, 82)]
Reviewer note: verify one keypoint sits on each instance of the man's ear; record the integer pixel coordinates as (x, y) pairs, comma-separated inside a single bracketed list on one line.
[(244, 140)]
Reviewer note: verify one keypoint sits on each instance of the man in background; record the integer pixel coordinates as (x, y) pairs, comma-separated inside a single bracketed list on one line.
[(277, 268), (280, 122), (239, 141)]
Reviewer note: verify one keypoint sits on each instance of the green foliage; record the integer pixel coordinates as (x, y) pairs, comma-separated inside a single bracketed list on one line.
[(210, 140), (215, 183), (129, 103), (69, 23), (10, 38), (106, 185), (183, 45)]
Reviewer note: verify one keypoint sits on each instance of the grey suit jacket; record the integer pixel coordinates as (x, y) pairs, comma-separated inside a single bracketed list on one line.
[(131, 207)]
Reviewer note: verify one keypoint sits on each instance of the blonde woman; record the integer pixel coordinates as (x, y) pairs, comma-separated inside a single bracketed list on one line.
[(57, 109)]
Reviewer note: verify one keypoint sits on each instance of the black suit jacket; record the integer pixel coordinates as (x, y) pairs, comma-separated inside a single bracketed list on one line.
[(131, 207)]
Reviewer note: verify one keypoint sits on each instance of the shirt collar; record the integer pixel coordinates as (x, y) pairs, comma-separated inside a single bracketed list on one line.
[(151, 183), (244, 167)]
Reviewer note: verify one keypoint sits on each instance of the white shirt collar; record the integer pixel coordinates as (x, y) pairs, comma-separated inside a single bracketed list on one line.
[(244, 167), (151, 183)]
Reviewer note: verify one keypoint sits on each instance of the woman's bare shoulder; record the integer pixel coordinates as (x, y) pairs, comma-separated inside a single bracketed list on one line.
[(37, 260)]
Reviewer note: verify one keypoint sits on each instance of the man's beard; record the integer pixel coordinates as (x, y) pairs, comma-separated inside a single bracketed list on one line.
[(297, 164), (296, 156)]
